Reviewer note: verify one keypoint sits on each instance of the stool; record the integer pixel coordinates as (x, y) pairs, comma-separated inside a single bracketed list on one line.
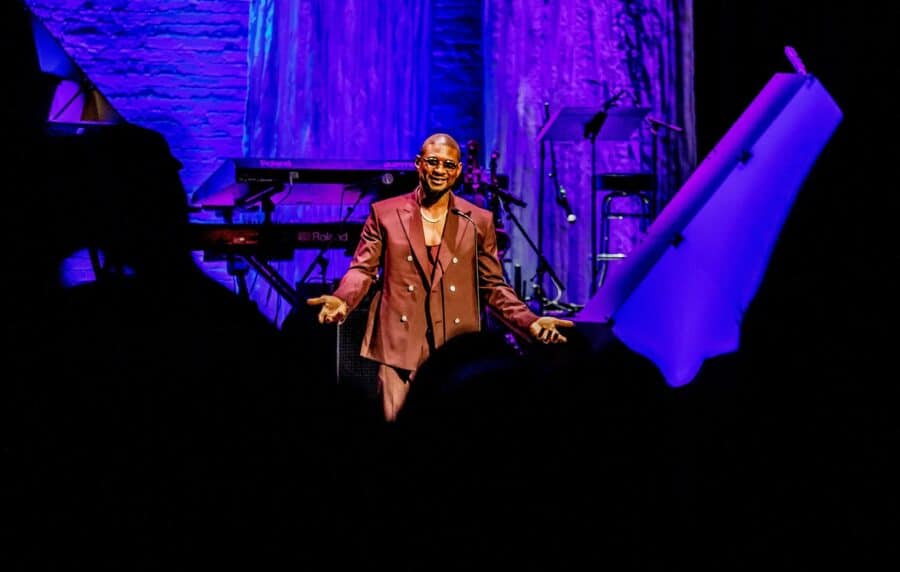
[(618, 186)]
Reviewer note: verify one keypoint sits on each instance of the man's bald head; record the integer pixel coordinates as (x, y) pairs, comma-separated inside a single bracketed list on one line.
[(441, 139)]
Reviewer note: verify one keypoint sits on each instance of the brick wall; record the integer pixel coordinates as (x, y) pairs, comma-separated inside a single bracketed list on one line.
[(178, 67)]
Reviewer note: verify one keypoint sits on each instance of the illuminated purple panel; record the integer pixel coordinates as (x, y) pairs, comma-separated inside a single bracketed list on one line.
[(681, 295)]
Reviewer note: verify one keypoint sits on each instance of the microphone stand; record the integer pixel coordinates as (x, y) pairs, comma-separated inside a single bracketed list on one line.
[(469, 220), (543, 266)]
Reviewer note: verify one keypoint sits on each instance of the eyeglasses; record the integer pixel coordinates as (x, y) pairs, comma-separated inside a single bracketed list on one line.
[(433, 162)]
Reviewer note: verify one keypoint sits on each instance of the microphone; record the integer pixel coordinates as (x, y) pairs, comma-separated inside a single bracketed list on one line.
[(466, 216), (509, 197), (669, 126), (563, 201), (458, 212), (592, 127)]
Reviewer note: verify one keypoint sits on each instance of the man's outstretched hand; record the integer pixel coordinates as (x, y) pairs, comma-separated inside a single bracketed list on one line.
[(333, 308), (544, 329)]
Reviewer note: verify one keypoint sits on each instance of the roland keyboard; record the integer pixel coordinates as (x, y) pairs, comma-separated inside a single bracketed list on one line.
[(303, 181), (289, 171), (274, 241)]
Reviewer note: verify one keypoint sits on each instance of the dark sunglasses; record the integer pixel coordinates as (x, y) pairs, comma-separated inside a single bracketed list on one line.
[(433, 162)]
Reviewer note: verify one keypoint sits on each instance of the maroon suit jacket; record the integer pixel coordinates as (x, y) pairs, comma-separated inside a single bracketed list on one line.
[(392, 243)]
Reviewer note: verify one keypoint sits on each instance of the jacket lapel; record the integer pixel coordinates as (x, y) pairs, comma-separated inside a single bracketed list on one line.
[(415, 235)]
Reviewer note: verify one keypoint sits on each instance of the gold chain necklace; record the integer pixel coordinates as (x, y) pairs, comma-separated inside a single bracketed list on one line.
[(429, 219)]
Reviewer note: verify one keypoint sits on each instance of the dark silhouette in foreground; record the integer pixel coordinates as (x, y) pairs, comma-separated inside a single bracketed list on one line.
[(529, 460)]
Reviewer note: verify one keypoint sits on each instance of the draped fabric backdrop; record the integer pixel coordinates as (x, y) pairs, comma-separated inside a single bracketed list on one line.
[(363, 80), (579, 53), (333, 80)]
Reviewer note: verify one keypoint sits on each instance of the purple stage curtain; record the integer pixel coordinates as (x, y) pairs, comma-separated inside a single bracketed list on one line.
[(580, 53), (337, 79)]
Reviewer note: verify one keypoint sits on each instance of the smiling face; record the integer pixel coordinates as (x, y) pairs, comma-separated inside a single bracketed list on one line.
[(439, 165)]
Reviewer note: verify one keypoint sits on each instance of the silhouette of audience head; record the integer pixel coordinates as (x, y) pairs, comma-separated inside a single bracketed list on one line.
[(140, 208), (543, 455)]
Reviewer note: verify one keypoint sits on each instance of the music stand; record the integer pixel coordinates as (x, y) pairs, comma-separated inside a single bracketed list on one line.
[(574, 123)]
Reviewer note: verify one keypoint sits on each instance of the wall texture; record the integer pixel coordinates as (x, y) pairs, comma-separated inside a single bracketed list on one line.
[(177, 67)]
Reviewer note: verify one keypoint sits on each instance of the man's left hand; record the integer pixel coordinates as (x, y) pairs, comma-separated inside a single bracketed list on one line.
[(544, 329)]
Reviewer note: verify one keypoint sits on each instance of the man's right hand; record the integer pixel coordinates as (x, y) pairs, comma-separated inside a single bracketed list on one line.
[(333, 308)]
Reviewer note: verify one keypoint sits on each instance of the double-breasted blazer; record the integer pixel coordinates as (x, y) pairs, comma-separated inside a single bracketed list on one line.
[(392, 251)]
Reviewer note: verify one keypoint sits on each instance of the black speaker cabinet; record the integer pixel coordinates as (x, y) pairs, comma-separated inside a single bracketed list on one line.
[(343, 342), (351, 368)]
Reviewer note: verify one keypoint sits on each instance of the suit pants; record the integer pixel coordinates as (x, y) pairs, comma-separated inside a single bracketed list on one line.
[(393, 386)]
